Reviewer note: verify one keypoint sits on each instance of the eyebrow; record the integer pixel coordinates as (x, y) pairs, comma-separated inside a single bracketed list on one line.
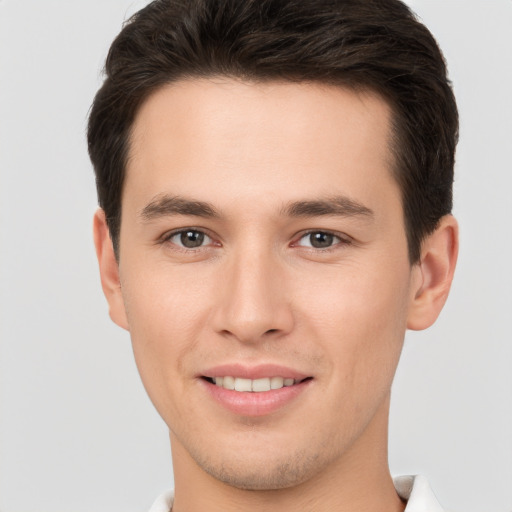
[(166, 205), (334, 205)]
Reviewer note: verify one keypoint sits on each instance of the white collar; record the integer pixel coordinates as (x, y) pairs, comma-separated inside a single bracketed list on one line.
[(414, 489), (417, 492)]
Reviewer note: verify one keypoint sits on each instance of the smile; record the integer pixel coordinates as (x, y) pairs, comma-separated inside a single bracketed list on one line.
[(257, 396), (252, 385)]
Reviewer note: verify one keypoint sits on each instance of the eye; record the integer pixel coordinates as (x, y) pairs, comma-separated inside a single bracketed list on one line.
[(189, 238), (320, 240)]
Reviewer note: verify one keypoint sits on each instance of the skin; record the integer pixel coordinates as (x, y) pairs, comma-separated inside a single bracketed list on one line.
[(257, 291)]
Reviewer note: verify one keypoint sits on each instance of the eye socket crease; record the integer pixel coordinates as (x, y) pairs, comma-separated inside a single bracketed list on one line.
[(163, 206)]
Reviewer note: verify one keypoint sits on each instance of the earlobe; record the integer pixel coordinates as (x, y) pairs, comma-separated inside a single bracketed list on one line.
[(435, 269), (109, 270)]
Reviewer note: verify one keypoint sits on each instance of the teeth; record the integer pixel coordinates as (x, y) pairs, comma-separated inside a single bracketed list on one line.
[(249, 385), (228, 382), (261, 385), (276, 382), (243, 385)]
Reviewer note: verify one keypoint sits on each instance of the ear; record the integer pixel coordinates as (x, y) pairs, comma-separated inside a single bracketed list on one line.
[(109, 270), (434, 274)]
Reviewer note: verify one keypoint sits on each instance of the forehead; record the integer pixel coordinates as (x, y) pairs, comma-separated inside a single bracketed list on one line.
[(228, 137)]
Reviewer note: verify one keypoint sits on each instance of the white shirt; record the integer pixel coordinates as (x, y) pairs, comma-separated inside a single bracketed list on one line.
[(414, 489)]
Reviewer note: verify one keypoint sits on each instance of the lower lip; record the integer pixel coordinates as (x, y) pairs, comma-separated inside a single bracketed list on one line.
[(255, 404)]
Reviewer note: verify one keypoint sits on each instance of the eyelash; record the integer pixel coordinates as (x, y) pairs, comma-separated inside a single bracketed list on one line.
[(168, 237), (342, 240)]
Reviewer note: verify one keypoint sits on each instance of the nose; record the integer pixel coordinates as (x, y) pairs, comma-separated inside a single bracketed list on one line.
[(253, 304)]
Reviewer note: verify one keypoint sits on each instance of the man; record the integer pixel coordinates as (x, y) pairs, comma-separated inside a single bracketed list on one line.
[(275, 182)]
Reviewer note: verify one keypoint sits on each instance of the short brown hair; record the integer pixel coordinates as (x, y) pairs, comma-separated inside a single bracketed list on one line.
[(359, 44)]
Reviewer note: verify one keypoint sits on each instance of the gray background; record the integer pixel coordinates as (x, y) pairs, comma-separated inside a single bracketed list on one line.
[(76, 429)]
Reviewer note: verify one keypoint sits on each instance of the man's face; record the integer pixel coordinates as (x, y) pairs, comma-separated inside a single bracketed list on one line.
[(263, 239)]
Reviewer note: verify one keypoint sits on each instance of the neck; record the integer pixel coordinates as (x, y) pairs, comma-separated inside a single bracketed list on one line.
[(357, 482)]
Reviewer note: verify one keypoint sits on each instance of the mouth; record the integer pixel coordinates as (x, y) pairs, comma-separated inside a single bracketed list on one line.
[(261, 385), (255, 391)]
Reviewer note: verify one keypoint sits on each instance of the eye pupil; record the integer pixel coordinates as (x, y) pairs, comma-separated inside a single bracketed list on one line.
[(191, 239), (321, 240)]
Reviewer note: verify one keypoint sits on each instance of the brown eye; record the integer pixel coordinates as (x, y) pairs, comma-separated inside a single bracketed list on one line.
[(190, 239), (319, 240)]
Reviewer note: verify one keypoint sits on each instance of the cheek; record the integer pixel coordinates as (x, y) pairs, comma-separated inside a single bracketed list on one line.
[(165, 314), (360, 317), (163, 303)]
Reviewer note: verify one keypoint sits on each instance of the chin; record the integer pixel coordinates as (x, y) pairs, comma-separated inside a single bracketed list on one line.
[(277, 473)]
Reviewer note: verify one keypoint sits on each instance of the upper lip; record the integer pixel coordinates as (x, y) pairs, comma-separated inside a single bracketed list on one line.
[(259, 371)]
